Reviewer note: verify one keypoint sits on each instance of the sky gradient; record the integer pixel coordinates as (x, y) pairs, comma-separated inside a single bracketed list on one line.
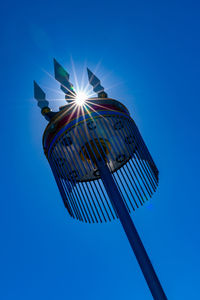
[(147, 55)]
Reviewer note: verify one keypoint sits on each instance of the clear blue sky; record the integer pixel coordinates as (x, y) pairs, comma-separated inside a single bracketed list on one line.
[(148, 52)]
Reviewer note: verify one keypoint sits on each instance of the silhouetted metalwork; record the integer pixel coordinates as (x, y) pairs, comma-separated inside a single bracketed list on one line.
[(96, 84), (101, 164), (62, 76)]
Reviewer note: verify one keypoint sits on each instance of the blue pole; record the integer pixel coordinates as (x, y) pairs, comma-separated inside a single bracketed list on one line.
[(131, 232)]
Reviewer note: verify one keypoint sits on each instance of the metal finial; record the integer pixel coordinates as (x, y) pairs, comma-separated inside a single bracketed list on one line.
[(96, 83), (40, 96), (62, 76)]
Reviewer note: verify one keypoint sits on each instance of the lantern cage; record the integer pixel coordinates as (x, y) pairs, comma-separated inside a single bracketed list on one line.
[(76, 139)]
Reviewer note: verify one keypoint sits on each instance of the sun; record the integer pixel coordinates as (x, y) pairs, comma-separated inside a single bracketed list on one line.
[(81, 98)]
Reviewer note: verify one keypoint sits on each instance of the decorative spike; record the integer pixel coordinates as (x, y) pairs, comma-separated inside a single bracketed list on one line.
[(62, 76), (96, 83), (40, 96), (60, 73)]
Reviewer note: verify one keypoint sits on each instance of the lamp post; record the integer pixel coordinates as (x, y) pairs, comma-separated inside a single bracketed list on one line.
[(101, 164)]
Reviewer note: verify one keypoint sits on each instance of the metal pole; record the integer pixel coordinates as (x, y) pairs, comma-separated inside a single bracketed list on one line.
[(131, 232)]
